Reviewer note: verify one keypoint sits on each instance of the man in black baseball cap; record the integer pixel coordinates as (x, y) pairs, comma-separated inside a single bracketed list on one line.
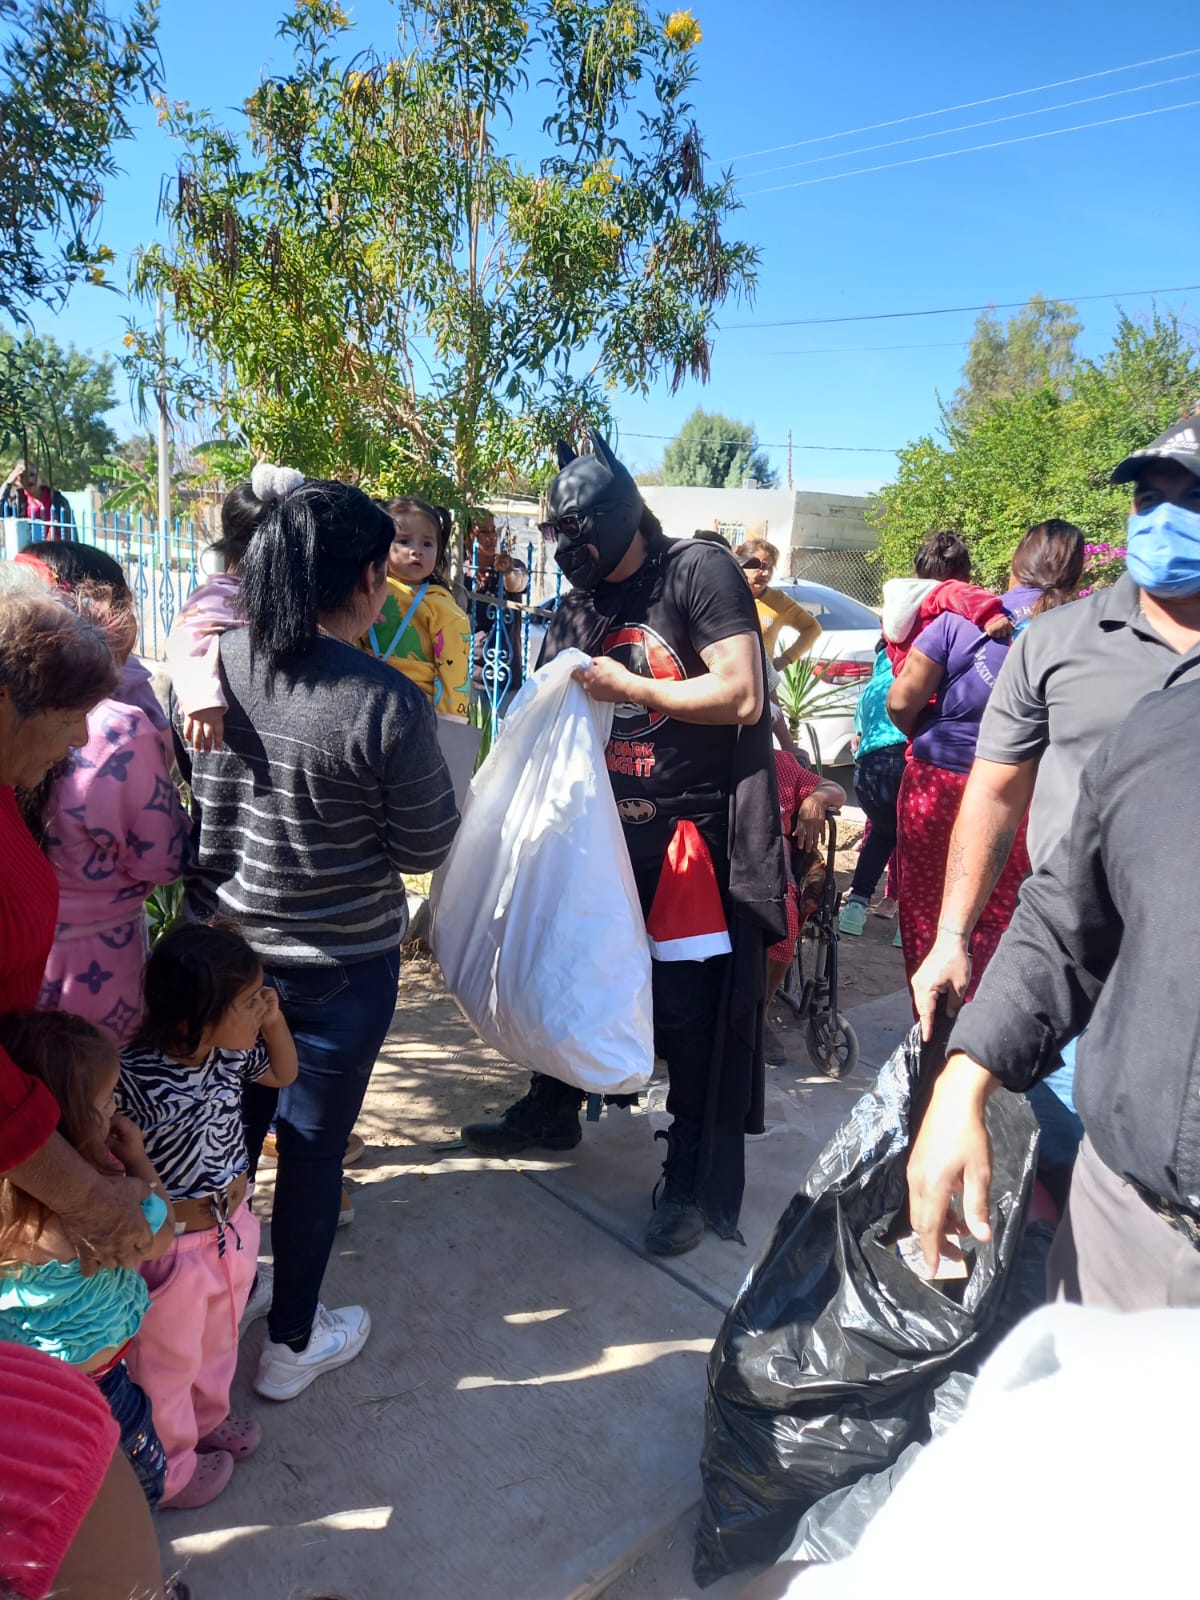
[(1071, 679)]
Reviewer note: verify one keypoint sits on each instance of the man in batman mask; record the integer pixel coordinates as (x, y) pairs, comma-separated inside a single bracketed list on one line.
[(676, 647)]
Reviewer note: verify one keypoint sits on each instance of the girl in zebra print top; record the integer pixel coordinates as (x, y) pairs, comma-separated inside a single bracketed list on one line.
[(211, 1026)]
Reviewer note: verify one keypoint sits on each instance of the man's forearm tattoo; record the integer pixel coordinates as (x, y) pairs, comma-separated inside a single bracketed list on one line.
[(956, 864), (998, 852)]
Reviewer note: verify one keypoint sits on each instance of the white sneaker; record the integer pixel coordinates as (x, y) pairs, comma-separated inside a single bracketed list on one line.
[(259, 1302), (336, 1338)]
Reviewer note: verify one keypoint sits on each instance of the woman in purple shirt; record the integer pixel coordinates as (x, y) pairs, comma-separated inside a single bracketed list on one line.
[(938, 699)]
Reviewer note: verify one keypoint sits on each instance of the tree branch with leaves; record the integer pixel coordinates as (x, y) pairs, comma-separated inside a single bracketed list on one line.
[(400, 298)]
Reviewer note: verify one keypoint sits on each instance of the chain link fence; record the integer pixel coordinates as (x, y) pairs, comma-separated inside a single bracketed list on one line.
[(852, 572)]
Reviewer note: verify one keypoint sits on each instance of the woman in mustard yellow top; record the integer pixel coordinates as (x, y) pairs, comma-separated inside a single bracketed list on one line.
[(775, 610), (422, 631)]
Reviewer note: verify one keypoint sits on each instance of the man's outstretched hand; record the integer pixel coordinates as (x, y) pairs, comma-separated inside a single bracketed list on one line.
[(952, 1155)]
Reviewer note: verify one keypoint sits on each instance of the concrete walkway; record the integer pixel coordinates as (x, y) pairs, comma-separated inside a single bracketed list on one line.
[(526, 1420)]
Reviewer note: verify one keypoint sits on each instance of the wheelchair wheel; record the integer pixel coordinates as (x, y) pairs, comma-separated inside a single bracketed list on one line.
[(832, 1044)]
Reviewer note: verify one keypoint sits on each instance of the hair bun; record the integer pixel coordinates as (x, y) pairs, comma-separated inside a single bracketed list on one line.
[(271, 483)]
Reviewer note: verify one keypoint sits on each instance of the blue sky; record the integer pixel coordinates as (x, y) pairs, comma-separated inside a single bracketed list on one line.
[(1089, 212)]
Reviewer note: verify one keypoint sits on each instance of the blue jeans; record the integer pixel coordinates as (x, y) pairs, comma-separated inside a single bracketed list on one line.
[(140, 1444), (1053, 1105), (339, 1017), (877, 785)]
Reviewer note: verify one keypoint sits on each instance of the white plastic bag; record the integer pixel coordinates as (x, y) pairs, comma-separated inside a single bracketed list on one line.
[(536, 918)]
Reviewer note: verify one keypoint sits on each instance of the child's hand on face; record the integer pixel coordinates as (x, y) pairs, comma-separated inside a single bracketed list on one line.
[(125, 1140), (271, 1012)]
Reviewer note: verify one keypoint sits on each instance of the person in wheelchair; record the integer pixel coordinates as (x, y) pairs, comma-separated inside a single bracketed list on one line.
[(804, 799)]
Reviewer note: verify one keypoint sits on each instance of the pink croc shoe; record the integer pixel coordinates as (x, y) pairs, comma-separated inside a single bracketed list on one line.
[(210, 1478), (240, 1436)]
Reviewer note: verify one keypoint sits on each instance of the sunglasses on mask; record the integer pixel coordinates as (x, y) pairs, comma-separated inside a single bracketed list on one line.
[(566, 527)]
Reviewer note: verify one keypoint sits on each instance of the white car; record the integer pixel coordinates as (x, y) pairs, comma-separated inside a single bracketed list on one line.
[(850, 633)]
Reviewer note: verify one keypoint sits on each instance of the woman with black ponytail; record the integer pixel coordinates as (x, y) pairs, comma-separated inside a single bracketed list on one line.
[(330, 785)]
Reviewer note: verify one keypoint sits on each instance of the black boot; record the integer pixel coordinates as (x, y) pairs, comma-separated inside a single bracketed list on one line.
[(678, 1223), (547, 1118)]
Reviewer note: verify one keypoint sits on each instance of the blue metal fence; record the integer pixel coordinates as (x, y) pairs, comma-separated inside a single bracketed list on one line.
[(161, 564), (502, 616)]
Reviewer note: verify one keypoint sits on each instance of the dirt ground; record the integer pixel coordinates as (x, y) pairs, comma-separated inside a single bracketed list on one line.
[(870, 967)]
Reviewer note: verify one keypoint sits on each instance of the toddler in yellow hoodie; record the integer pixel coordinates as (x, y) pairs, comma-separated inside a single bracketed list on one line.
[(421, 631)]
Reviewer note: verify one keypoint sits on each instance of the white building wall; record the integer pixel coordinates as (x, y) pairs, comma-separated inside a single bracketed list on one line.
[(790, 519)]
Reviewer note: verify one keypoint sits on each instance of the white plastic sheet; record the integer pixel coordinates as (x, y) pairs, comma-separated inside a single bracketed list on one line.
[(536, 918)]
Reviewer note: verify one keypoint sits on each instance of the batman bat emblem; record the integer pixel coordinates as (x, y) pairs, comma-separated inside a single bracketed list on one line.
[(633, 811)]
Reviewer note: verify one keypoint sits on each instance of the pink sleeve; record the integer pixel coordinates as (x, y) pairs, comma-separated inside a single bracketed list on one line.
[(193, 657), (131, 810)]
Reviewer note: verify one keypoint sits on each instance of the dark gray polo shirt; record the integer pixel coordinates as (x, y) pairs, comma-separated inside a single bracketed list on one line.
[(1104, 938), (1071, 676)]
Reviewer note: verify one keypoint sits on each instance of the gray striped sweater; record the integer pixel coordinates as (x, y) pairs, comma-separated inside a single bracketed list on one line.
[(331, 785)]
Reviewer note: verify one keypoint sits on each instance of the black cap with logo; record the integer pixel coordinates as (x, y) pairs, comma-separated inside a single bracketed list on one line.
[(1180, 443)]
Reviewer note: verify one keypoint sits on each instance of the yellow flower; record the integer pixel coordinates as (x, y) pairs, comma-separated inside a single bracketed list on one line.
[(682, 30), (129, 341), (601, 179), (96, 276)]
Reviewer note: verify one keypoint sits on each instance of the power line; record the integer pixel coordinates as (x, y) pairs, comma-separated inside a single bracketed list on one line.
[(967, 127), (850, 449), (946, 311), (996, 144), (967, 105), (874, 349)]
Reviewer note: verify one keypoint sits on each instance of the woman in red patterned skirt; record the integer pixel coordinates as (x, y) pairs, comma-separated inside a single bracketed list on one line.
[(938, 699)]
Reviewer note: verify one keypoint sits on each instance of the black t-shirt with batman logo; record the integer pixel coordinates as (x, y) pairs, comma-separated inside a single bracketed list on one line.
[(687, 596)]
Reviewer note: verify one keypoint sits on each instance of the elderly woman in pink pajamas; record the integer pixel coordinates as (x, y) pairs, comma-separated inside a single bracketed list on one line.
[(113, 827)]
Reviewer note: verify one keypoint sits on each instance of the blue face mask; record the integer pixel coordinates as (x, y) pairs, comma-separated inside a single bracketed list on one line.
[(1162, 551)]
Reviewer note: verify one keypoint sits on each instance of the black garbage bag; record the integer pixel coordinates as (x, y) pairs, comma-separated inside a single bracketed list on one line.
[(830, 1531), (826, 1364)]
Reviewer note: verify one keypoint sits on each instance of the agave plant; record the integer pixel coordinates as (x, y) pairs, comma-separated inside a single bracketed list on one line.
[(164, 909), (803, 695), (479, 715)]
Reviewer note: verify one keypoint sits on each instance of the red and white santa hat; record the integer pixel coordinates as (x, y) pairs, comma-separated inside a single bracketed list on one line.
[(687, 919)]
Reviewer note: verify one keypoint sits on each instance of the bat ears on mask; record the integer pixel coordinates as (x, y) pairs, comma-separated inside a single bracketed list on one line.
[(600, 448)]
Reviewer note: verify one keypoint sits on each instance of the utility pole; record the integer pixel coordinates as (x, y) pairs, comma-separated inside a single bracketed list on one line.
[(789, 458), (164, 427)]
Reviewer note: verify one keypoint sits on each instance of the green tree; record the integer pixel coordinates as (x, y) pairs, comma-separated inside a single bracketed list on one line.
[(390, 295), (72, 72), (1041, 453), (52, 408), (129, 478), (1036, 348), (714, 452)]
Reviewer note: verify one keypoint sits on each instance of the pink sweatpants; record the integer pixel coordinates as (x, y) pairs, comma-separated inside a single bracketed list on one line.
[(185, 1352)]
